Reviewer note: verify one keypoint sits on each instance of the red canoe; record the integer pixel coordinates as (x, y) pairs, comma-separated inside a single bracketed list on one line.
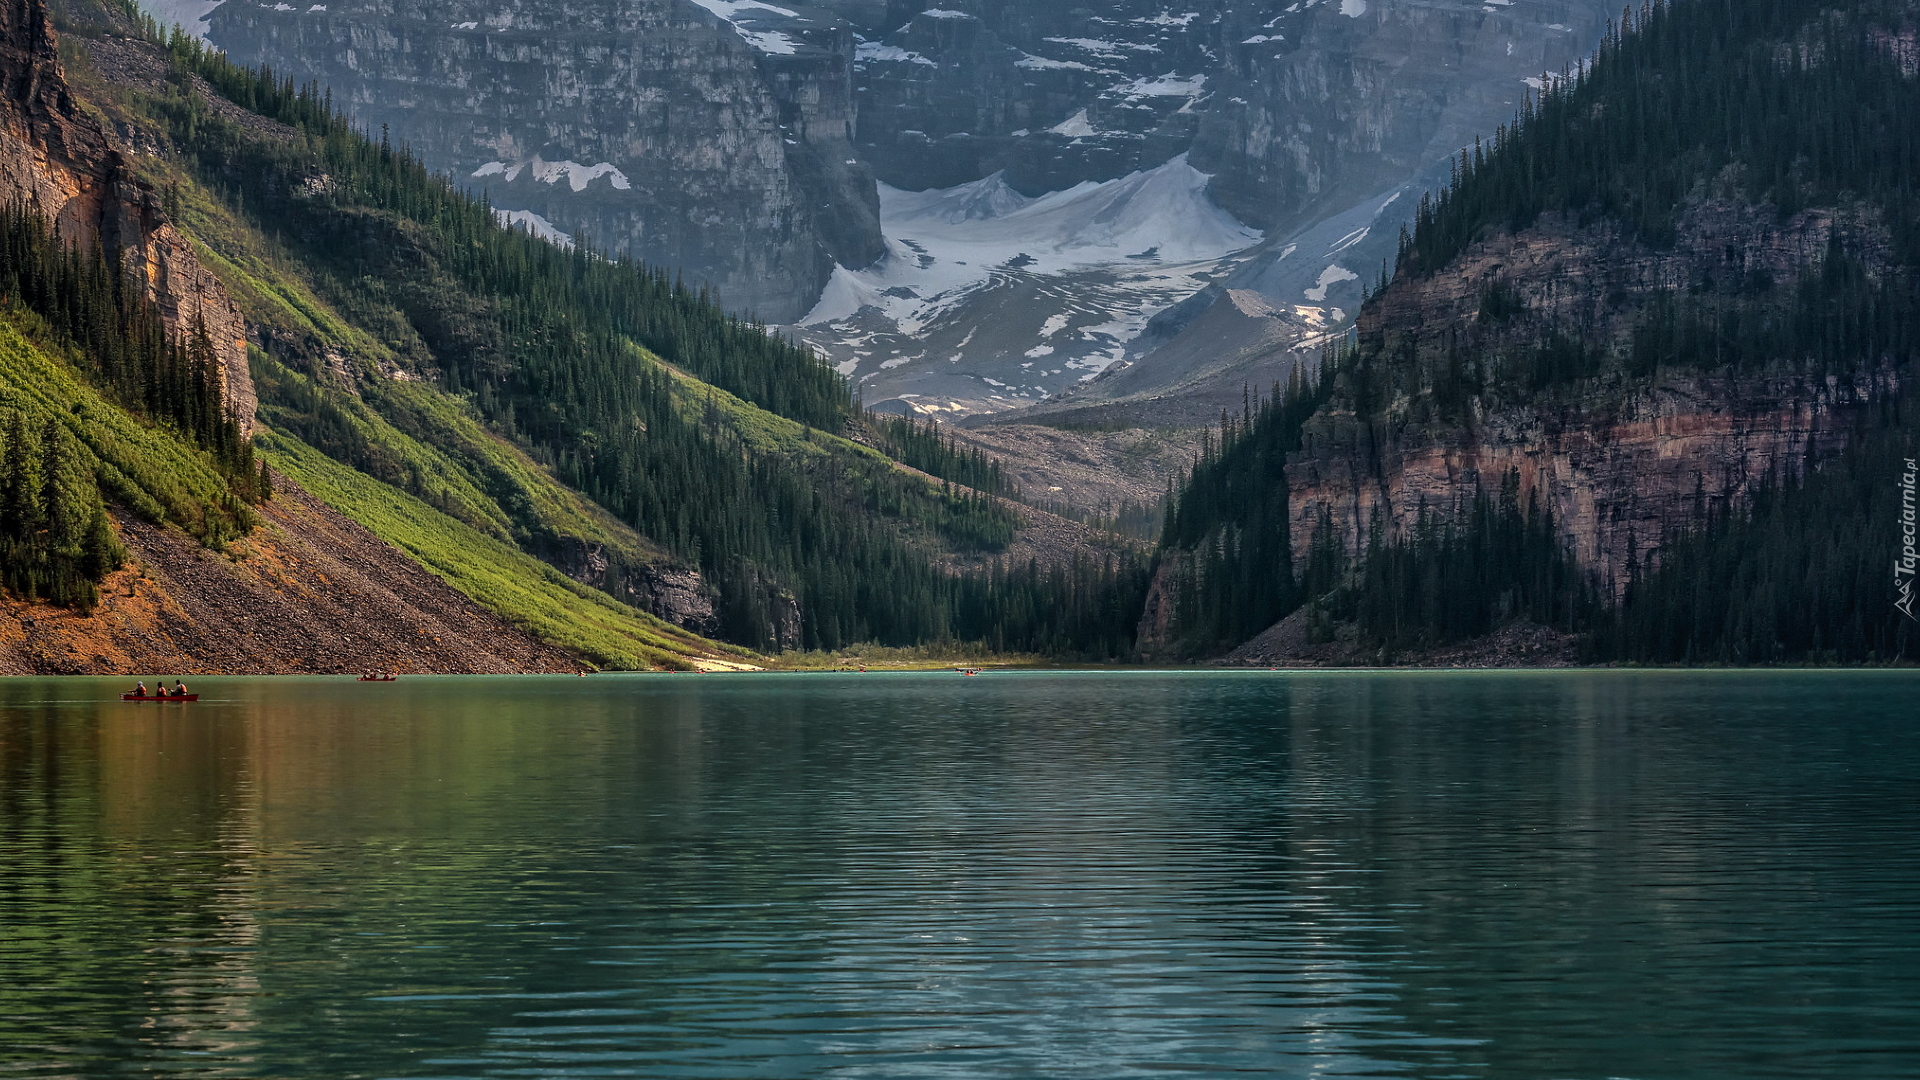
[(384, 678), (158, 697)]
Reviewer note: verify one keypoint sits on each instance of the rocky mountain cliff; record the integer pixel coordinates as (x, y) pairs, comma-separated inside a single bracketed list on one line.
[(1315, 124), (62, 164), (207, 582), (1627, 464), (737, 141), (1294, 108), (687, 134), (1644, 312)]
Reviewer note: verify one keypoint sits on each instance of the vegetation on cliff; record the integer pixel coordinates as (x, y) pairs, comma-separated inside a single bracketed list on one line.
[(68, 448), (1227, 546), (1796, 103), (1803, 576), (107, 325), (1797, 110), (528, 594), (55, 542)]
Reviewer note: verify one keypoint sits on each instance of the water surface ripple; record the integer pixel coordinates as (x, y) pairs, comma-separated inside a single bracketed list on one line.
[(926, 876)]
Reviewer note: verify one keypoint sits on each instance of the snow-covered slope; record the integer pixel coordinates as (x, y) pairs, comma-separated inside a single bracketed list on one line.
[(1034, 293), (189, 15)]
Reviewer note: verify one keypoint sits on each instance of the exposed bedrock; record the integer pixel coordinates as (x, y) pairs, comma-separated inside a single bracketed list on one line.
[(1294, 107), (55, 159), (1622, 462), (719, 149), (732, 140), (1314, 109)]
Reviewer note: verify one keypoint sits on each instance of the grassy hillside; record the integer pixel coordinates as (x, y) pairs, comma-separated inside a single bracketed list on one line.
[(526, 592), (140, 465)]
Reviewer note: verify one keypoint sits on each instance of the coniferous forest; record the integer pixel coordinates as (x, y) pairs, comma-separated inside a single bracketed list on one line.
[(55, 540), (1781, 104)]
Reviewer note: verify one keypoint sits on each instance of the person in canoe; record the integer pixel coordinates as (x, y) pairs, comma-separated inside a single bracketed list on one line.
[(179, 689), (140, 689)]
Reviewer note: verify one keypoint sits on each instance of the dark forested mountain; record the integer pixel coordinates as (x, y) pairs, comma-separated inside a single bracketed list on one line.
[(1641, 373)]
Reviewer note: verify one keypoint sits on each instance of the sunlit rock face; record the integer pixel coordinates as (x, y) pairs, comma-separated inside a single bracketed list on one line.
[(58, 161), (712, 138)]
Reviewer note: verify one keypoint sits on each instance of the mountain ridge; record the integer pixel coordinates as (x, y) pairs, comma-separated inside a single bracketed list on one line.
[(1644, 313)]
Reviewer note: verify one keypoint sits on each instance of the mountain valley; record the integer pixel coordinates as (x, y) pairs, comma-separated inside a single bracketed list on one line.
[(1242, 347)]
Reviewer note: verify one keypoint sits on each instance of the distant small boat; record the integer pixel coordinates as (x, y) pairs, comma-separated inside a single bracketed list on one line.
[(159, 697), (378, 678)]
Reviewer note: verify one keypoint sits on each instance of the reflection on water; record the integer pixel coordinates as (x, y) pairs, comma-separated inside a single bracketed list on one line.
[(1074, 875)]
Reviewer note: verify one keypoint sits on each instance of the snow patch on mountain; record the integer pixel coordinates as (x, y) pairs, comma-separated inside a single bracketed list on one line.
[(576, 175), (189, 15), (1168, 85), (988, 298), (535, 224), (767, 41), (1041, 63), (1076, 126), (944, 245), (872, 52), (1331, 276)]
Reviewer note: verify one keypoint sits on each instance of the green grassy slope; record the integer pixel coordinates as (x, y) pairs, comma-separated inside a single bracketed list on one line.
[(526, 592), (401, 431), (143, 467)]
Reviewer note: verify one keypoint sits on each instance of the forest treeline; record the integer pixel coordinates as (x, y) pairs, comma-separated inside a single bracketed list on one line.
[(102, 317), (1806, 101), (1228, 538), (1781, 104), (923, 446), (55, 541)]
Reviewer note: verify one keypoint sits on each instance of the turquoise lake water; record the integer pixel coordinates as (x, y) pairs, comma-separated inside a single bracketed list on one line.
[(1097, 875)]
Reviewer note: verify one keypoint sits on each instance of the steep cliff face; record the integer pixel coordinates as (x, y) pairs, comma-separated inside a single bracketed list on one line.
[(1315, 103), (1291, 106), (1052, 95), (690, 135), (1317, 124), (1624, 463), (58, 161)]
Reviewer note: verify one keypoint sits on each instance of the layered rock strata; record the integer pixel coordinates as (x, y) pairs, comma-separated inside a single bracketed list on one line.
[(686, 134), (58, 161), (1622, 462)]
